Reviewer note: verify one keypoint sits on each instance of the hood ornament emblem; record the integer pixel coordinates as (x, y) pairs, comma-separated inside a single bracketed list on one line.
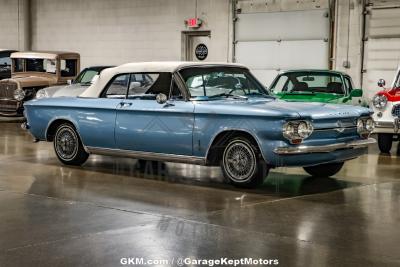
[(340, 127)]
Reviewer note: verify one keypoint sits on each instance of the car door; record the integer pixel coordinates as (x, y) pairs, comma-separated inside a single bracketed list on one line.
[(97, 115), (142, 124)]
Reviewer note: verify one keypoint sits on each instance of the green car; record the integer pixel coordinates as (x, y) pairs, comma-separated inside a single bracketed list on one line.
[(325, 86)]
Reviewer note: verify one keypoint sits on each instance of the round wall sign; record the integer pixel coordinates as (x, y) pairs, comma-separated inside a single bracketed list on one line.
[(201, 51)]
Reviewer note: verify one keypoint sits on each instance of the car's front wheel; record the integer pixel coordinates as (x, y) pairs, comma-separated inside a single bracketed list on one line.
[(385, 141), (324, 170), (242, 163), (68, 146)]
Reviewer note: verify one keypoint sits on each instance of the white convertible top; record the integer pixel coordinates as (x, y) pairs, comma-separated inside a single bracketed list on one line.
[(163, 66)]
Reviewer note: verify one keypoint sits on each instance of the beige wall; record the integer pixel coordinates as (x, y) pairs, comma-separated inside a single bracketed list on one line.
[(119, 31), (348, 46), (14, 28)]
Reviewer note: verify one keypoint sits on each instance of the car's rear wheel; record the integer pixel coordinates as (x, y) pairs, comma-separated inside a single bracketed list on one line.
[(324, 170), (242, 163), (68, 146), (385, 141)]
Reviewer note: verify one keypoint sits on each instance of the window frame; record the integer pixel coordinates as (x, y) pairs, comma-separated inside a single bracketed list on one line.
[(174, 77)]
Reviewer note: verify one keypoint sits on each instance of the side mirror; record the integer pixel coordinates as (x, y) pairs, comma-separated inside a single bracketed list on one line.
[(69, 82), (356, 93), (381, 83), (161, 98)]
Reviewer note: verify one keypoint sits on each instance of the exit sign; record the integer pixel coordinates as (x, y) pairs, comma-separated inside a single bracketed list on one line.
[(193, 23)]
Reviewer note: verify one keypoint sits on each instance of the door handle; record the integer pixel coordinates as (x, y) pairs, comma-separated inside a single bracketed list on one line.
[(168, 104), (123, 104)]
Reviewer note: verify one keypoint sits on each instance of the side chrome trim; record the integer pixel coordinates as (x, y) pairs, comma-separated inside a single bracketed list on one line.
[(146, 155), (325, 148)]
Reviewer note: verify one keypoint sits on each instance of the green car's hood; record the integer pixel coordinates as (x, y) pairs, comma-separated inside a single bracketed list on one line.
[(312, 97)]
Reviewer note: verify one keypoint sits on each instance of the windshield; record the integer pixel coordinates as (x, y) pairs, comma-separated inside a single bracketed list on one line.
[(35, 65), (86, 76), (308, 82), (221, 81)]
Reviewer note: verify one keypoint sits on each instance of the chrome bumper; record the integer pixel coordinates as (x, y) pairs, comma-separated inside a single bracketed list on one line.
[(323, 149), (395, 125)]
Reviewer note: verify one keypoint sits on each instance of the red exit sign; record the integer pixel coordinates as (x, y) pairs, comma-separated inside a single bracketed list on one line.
[(193, 22)]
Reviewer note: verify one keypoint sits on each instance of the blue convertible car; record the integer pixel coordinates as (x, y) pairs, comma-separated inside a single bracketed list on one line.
[(209, 114)]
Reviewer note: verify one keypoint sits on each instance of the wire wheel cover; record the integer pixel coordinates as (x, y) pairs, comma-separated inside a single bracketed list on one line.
[(240, 161), (66, 143)]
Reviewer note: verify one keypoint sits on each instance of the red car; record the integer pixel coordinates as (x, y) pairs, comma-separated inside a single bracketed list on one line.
[(386, 105)]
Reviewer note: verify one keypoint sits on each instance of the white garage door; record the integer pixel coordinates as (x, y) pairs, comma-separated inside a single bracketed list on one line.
[(269, 42), (382, 48)]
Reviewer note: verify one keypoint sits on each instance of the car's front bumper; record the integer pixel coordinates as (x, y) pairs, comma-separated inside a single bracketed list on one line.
[(294, 150), (387, 126)]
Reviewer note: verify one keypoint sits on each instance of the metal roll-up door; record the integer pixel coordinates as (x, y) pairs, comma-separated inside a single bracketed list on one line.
[(382, 44), (269, 42)]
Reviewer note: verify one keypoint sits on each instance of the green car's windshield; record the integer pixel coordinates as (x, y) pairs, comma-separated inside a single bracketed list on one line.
[(86, 76), (308, 83), (214, 82)]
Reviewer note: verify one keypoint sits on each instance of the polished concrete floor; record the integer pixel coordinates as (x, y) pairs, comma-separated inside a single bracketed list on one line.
[(113, 208)]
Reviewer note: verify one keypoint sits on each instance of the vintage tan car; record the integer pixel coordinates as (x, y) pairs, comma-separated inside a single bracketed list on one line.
[(32, 71)]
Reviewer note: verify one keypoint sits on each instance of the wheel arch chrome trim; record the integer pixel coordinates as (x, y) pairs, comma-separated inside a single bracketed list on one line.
[(233, 129)]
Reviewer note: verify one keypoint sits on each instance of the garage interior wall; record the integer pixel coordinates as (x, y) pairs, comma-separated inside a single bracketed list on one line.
[(14, 24), (379, 54), (273, 36), (116, 32)]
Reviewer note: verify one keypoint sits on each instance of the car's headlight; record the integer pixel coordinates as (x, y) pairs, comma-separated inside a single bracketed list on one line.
[(42, 94), (365, 126), (379, 101), (369, 125), (296, 131), (19, 94)]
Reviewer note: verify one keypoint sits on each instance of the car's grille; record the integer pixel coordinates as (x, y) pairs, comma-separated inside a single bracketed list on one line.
[(7, 89), (396, 111), (335, 128), (8, 106)]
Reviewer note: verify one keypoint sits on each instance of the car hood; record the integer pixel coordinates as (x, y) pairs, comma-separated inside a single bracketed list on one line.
[(280, 108), (317, 97), (72, 90)]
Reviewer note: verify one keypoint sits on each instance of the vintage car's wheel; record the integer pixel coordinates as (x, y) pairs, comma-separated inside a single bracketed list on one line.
[(324, 170), (242, 163), (385, 141), (68, 146)]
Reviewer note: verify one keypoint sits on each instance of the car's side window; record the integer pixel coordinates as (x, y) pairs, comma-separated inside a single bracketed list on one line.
[(117, 87), (175, 92), (140, 83), (148, 85), (348, 83), (68, 67)]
